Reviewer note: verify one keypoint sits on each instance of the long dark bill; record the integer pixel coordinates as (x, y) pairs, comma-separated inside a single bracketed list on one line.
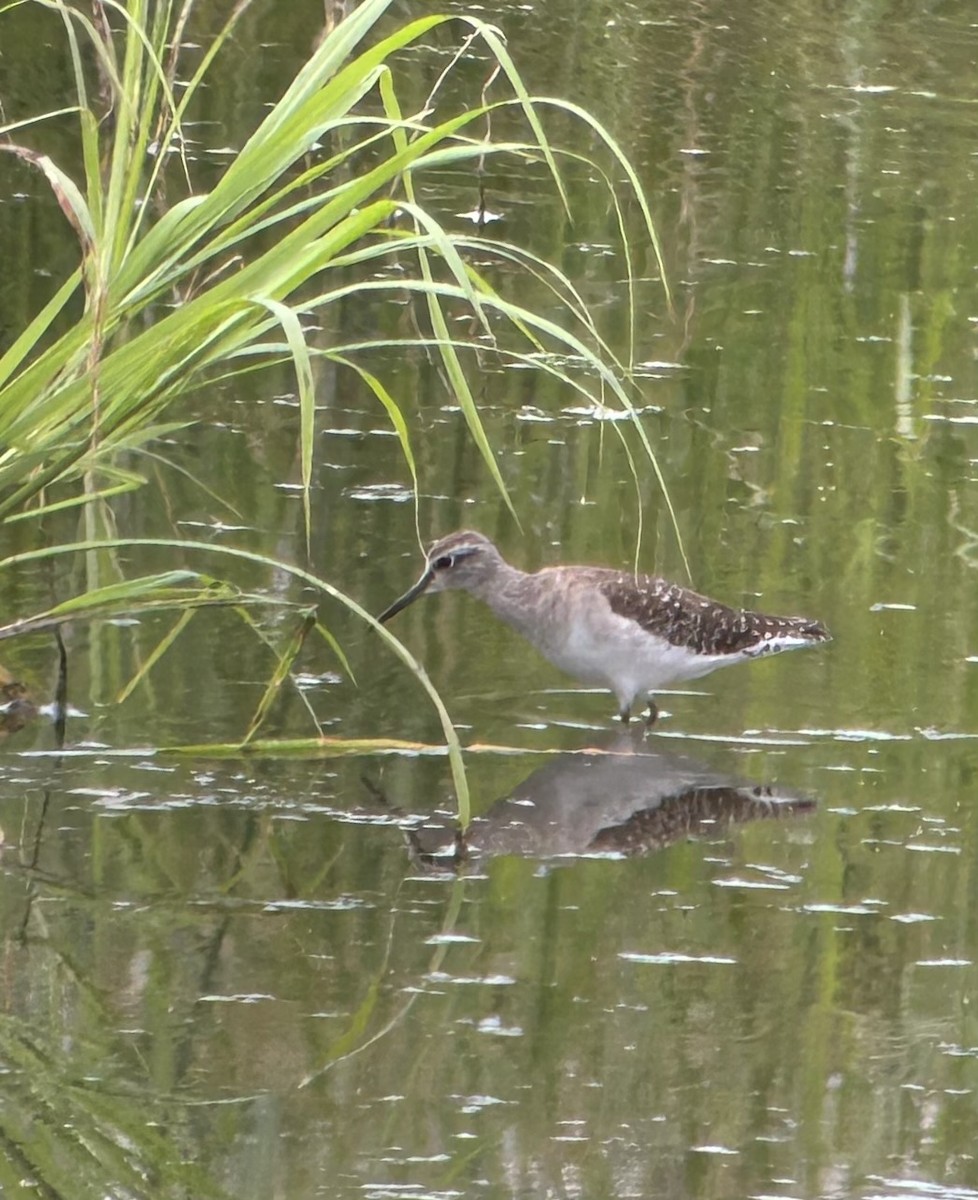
[(408, 598)]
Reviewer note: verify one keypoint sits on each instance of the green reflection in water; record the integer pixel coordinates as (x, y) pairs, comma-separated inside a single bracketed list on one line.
[(818, 435)]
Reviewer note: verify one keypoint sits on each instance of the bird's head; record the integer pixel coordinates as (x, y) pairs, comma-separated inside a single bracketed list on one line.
[(460, 560)]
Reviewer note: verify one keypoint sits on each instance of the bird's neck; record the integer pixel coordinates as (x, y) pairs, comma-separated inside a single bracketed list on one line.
[(510, 594)]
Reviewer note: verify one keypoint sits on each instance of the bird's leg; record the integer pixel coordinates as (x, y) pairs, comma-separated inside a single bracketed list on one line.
[(653, 714)]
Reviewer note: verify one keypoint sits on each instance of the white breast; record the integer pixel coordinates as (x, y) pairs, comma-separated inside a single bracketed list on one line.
[(598, 646)]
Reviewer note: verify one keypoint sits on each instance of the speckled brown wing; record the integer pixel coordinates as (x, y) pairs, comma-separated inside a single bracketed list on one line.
[(692, 813), (685, 618)]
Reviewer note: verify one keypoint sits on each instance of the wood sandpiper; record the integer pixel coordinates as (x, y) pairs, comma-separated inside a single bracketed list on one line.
[(633, 634)]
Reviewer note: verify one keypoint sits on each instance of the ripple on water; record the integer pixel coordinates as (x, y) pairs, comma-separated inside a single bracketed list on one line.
[(671, 958), (899, 1189)]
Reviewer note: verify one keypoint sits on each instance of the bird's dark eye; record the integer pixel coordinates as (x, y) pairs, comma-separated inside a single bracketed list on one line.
[(442, 563)]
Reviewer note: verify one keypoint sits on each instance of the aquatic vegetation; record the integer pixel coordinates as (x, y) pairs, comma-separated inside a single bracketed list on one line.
[(179, 285), (183, 285)]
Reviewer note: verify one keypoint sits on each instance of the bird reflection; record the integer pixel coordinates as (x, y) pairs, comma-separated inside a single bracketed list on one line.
[(605, 803)]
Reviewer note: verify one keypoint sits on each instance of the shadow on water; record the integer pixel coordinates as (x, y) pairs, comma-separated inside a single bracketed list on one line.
[(623, 801)]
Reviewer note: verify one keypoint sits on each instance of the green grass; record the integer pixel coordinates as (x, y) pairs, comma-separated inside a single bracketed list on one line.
[(182, 286), (179, 286)]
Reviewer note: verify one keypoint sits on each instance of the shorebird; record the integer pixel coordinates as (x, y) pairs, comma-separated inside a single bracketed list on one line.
[(633, 634)]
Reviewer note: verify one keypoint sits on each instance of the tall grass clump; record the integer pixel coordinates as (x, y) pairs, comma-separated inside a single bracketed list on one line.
[(180, 286)]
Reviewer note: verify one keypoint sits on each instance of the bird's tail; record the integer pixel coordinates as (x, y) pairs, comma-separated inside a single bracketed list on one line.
[(769, 635)]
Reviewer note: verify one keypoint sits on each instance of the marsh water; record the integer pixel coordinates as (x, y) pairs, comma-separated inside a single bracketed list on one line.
[(737, 956)]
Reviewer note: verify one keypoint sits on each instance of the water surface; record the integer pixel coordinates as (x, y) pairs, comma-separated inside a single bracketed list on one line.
[(735, 958)]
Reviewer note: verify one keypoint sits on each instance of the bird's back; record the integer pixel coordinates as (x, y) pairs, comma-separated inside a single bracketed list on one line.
[(683, 617)]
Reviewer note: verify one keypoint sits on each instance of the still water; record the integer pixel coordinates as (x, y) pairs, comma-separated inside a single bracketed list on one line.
[(736, 957)]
